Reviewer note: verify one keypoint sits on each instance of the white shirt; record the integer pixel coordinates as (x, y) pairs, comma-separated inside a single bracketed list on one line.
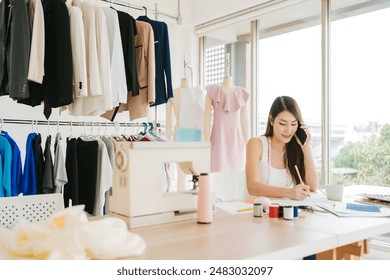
[(103, 51), (118, 73), (77, 38)]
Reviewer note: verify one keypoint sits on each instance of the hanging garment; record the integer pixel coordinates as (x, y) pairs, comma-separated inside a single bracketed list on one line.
[(117, 63), (79, 63), (48, 171), (190, 122), (111, 154), (138, 106), (39, 162), (164, 90), (36, 68), (5, 167), (103, 50), (60, 176), (14, 49), (71, 188), (128, 31), (103, 179), (227, 137), (87, 164), (16, 167), (57, 85), (94, 83), (29, 182)]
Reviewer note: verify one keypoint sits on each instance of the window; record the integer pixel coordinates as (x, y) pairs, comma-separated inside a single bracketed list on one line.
[(360, 67), (290, 64)]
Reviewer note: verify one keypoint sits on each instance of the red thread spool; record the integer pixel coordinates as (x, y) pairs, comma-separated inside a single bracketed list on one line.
[(274, 211)]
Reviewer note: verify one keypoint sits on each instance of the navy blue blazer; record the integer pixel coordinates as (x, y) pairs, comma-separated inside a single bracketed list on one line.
[(164, 89)]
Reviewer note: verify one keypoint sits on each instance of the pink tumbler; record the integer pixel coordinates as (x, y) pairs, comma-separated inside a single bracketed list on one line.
[(205, 205)]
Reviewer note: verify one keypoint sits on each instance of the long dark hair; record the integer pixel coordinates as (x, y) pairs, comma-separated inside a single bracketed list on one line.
[(294, 153)]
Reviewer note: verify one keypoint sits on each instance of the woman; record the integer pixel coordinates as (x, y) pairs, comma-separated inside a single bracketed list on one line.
[(271, 158)]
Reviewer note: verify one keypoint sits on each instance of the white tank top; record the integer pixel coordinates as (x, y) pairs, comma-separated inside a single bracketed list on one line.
[(269, 175)]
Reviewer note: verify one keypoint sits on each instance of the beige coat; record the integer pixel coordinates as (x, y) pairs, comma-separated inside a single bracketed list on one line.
[(138, 106), (36, 68)]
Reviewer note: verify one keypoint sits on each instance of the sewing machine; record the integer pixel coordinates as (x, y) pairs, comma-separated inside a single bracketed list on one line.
[(155, 182)]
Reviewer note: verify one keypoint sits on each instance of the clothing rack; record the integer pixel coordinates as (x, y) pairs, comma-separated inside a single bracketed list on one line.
[(140, 8), (84, 123)]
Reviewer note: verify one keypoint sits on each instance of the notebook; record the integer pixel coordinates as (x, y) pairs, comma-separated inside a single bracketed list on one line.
[(375, 199)]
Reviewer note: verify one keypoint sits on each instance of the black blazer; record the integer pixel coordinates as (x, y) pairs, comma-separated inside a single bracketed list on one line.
[(128, 31), (57, 83), (14, 49)]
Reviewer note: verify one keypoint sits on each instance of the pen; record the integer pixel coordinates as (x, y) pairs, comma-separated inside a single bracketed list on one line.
[(299, 175), (245, 209)]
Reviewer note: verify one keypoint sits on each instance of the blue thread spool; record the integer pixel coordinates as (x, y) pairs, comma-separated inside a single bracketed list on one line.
[(295, 211)]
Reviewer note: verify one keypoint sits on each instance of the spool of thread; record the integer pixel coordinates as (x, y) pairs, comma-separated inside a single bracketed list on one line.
[(265, 201), (288, 212), (205, 205), (280, 212), (273, 211), (257, 210), (295, 211)]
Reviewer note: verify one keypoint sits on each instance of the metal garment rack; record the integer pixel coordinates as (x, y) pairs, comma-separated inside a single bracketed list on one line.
[(72, 123), (141, 8)]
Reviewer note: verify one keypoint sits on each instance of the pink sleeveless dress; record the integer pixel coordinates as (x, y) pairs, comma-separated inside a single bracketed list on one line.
[(227, 136)]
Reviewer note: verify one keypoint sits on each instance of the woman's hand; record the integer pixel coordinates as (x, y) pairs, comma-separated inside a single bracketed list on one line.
[(299, 192)]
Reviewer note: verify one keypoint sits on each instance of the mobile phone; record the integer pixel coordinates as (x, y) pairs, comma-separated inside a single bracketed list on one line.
[(301, 134)]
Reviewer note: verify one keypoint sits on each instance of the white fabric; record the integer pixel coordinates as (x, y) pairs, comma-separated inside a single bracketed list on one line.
[(278, 177), (60, 175), (118, 73), (69, 235), (36, 69), (103, 51), (94, 83), (77, 39), (192, 108)]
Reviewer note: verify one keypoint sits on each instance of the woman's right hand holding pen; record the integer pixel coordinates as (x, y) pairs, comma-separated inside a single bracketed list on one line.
[(299, 192)]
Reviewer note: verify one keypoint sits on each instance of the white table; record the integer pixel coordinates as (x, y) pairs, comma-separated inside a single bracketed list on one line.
[(244, 237)]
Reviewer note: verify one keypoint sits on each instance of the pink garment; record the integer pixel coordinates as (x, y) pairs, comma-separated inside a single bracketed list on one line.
[(227, 136)]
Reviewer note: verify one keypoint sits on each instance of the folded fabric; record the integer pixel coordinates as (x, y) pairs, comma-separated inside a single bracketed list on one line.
[(69, 234)]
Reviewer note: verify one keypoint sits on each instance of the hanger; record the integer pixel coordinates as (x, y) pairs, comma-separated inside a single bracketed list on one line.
[(70, 131), (48, 128), (146, 11), (105, 130), (1, 126), (143, 133)]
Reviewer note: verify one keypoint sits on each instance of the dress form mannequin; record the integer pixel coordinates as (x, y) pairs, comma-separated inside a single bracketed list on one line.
[(226, 125), (174, 119), (173, 106), (227, 87)]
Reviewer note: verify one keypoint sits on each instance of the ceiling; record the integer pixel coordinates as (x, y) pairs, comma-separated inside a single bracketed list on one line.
[(298, 15)]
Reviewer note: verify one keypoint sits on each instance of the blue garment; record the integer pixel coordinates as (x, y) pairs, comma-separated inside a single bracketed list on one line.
[(29, 183), (16, 168), (5, 167)]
